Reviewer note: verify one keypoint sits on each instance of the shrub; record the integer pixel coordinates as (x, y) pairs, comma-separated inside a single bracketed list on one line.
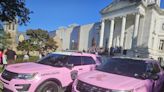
[(31, 59)]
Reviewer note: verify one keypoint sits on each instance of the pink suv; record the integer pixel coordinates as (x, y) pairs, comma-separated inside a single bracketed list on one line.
[(122, 75), (53, 73)]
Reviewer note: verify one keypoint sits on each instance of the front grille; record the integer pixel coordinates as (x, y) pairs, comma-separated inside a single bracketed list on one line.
[(7, 75), (85, 87)]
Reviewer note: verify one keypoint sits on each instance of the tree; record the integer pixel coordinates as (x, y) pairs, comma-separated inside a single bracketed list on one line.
[(27, 46), (5, 39), (50, 44), (12, 9), (39, 39), (38, 34)]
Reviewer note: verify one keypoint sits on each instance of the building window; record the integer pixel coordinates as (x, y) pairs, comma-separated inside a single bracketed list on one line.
[(152, 44), (13, 26), (9, 26), (160, 59), (161, 45), (163, 26), (154, 25)]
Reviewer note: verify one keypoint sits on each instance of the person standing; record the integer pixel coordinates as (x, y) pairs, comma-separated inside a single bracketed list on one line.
[(3, 61), (26, 57), (41, 55), (11, 56), (1, 56)]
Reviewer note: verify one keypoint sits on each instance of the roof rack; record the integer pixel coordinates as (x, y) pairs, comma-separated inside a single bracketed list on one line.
[(73, 51)]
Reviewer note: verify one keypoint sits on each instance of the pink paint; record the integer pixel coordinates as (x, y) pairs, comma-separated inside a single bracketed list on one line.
[(43, 72)]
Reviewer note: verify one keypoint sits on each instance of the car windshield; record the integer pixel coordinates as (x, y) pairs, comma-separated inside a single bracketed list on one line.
[(57, 60), (126, 67)]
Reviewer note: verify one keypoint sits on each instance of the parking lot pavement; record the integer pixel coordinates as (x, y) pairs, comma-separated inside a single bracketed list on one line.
[(68, 90)]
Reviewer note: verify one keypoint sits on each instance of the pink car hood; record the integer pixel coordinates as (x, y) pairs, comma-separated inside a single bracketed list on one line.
[(28, 67), (110, 81)]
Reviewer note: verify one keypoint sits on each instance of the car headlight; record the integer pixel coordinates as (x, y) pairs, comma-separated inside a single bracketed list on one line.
[(25, 76), (121, 91)]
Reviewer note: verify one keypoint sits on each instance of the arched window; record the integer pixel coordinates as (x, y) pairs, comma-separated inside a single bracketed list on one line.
[(161, 45), (9, 26), (160, 59), (13, 26)]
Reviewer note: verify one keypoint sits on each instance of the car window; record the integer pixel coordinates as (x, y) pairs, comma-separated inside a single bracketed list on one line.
[(54, 60), (149, 67), (126, 67), (75, 60), (87, 60)]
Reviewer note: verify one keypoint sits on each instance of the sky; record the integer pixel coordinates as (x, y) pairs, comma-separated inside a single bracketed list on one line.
[(52, 14)]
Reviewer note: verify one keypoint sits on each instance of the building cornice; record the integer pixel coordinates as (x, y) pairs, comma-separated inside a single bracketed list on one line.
[(113, 4), (157, 8)]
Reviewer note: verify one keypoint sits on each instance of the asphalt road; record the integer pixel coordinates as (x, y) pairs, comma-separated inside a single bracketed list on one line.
[(70, 91)]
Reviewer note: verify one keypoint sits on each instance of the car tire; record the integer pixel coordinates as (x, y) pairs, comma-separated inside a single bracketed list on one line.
[(49, 86)]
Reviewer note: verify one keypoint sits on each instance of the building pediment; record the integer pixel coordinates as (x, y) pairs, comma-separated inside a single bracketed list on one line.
[(119, 4)]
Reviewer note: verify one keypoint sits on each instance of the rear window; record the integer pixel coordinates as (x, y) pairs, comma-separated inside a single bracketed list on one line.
[(75, 60), (87, 60)]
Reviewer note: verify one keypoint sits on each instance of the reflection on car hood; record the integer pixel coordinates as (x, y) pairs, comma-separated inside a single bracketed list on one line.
[(28, 67), (110, 81)]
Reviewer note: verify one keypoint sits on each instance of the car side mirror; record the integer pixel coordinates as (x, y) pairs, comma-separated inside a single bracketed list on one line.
[(154, 76), (70, 66)]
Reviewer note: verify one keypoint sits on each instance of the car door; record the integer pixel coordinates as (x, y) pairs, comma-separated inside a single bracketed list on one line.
[(77, 68), (158, 83)]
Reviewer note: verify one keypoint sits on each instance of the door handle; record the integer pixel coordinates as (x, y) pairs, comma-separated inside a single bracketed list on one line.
[(81, 69)]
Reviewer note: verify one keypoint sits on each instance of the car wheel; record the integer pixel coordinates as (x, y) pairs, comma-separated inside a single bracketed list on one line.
[(48, 86)]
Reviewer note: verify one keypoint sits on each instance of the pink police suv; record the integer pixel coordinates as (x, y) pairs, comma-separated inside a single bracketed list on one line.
[(53, 73), (122, 75)]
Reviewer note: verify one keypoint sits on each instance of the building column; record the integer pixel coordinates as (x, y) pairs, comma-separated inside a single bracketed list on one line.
[(123, 31), (111, 33), (135, 32), (102, 33)]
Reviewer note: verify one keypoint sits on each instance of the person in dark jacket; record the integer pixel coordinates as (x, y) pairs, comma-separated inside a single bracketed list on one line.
[(11, 56)]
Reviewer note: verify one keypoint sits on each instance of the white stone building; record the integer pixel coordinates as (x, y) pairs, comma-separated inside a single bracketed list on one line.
[(135, 25), (78, 37), (12, 29)]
